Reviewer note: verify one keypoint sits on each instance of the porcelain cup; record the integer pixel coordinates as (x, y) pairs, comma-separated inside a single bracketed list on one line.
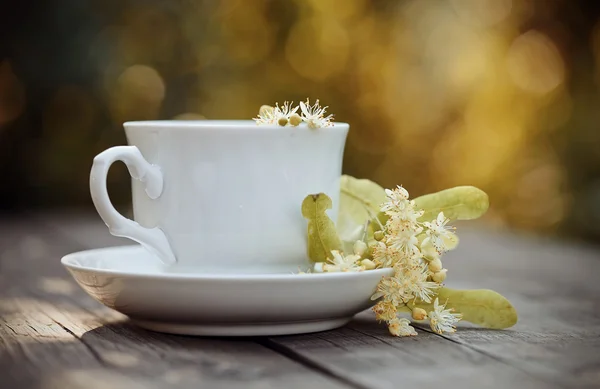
[(221, 195)]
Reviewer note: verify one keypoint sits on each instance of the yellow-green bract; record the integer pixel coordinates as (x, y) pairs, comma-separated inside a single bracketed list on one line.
[(322, 235), (360, 199), (483, 307), (458, 203)]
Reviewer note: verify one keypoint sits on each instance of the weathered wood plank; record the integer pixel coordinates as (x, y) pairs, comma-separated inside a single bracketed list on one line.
[(554, 288), (555, 343), (368, 355), (52, 335)]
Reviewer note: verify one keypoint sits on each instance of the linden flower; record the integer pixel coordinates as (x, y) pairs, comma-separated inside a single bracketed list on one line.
[(397, 200), (397, 195), (271, 115), (384, 311), (414, 280), (286, 110), (314, 115), (391, 291), (385, 256), (437, 231), (401, 327), (403, 237), (267, 116), (442, 320), (398, 205), (276, 115), (339, 263)]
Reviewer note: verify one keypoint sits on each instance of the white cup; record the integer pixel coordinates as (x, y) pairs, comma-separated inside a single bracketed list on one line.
[(221, 196)]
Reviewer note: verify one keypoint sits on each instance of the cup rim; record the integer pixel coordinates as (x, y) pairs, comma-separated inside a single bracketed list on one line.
[(220, 124)]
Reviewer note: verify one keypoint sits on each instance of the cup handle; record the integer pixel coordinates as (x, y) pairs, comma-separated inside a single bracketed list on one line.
[(153, 239)]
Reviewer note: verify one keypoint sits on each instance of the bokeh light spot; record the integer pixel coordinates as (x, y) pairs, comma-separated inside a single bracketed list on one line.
[(342, 9), (246, 32), (535, 64), (148, 35), (482, 12), (138, 94), (317, 49)]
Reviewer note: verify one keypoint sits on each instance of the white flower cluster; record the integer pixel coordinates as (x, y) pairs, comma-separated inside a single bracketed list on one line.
[(346, 263), (413, 250), (313, 115)]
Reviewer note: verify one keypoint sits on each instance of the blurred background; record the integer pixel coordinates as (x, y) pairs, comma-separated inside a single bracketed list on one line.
[(500, 94)]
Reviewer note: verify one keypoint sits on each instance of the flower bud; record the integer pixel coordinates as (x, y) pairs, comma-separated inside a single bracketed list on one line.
[(282, 122), (295, 120), (378, 235), (428, 251), (360, 247), (327, 268), (419, 314), (318, 267), (439, 276), (435, 265), (394, 327), (367, 264)]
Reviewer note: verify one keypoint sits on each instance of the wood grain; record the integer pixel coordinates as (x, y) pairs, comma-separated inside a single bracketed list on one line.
[(555, 344), (371, 357), (554, 287), (54, 336)]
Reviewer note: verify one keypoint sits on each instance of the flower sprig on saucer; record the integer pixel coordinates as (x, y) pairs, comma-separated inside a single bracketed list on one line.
[(384, 228), (287, 114), (413, 250)]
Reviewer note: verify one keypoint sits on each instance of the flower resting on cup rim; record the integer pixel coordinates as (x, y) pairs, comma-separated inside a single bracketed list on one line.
[(313, 115)]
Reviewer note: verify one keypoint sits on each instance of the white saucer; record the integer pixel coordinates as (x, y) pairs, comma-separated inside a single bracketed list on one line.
[(129, 280)]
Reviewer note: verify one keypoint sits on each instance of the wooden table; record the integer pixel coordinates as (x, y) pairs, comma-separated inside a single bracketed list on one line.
[(52, 335)]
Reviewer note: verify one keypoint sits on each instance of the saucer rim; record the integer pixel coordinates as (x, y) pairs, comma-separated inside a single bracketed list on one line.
[(67, 259)]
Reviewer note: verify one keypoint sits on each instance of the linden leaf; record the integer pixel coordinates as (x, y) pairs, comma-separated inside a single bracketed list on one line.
[(458, 203), (322, 235), (360, 199), (483, 307)]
